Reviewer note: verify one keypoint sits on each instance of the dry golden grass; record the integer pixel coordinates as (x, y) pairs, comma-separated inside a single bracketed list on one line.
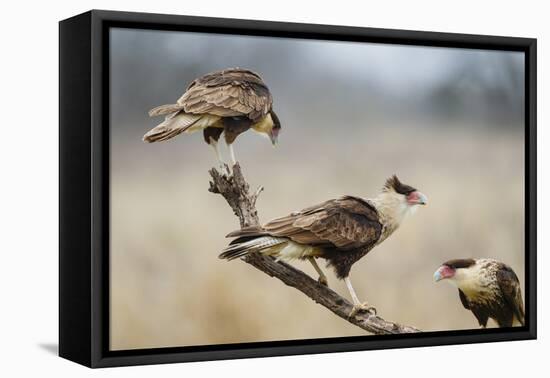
[(170, 289)]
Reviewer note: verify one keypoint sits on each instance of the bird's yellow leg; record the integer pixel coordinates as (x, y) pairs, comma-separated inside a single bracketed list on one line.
[(214, 144), (322, 278), (232, 154), (223, 166), (357, 305)]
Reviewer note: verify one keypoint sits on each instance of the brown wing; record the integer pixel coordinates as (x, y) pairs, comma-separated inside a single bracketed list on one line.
[(509, 285), (228, 93), (346, 223), (464, 300)]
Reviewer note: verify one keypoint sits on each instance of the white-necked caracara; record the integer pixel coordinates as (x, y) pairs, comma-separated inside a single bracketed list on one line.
[(340, 231), (488, 288), (230, 101)]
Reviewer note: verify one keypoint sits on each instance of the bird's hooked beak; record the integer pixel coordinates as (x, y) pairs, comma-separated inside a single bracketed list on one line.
[(274, 136), (443, 272), (417, 198), (275, 128)]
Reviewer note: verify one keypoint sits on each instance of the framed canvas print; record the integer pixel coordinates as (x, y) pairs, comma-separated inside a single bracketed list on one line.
[(234, 188)]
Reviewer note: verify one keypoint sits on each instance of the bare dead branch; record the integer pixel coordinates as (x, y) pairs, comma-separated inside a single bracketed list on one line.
[(236, 192)]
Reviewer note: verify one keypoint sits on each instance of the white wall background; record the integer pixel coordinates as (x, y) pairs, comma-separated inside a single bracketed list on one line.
[(28, 164)]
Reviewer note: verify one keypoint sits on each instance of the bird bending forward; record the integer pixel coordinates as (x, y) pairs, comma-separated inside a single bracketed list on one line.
[(230, 101), (488, 288), (340, 231)]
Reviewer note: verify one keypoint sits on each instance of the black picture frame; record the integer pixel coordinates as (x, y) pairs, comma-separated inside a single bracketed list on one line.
[(84, 187)]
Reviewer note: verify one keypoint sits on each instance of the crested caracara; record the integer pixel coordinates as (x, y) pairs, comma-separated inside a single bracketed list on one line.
[(230, 101), (488, 288), (340, 231)]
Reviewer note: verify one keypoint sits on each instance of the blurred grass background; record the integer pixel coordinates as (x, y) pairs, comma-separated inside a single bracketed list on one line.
[(447, 121)]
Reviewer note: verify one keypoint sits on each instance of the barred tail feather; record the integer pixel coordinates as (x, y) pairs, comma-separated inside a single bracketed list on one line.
[(246, 231), (244, 246), (174, 124), (165, 109)]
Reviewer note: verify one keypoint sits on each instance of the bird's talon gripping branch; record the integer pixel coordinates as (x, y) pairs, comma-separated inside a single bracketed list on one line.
[(225, 170), (362, 308), (322, 278)]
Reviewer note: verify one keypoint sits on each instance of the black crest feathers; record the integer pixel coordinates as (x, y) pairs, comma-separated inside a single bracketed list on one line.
[(393, 183)]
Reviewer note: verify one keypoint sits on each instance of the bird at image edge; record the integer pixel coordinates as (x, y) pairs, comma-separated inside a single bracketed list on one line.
[(486, 287), (229, 101), (340, 231)]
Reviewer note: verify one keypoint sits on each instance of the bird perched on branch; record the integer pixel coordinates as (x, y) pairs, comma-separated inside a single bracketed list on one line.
[(488, 288), (340, 231), (230, 101)]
